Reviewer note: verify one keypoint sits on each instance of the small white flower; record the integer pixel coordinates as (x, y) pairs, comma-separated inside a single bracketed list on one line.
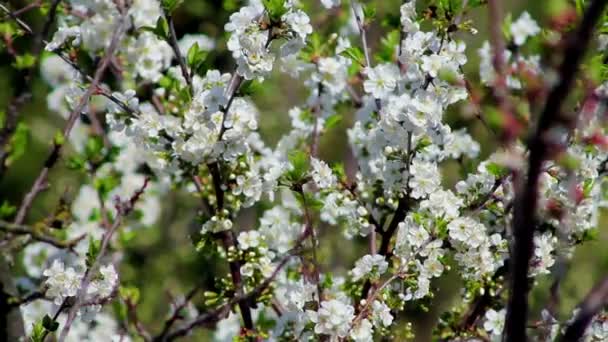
[(322, 174), (381, 80), (368, 266), (523, 28), (381, 314), (299, 22), (495, 321), (62, 282), (106, 283), (333, 318), (363, 332), (249, 239)]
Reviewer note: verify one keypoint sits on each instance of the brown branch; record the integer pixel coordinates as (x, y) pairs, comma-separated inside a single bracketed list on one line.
[(172, 40), (20, 229), (526, 197), (593, 303)]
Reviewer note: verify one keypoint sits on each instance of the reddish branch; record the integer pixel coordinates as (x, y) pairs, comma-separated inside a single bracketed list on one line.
[(594, 302), (526, 198)]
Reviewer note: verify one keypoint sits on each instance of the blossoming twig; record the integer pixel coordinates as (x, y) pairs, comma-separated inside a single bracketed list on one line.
[(123, 209), (40, 182)]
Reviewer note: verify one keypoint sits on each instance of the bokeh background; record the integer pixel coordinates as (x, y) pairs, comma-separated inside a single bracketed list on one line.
[(161, 260)]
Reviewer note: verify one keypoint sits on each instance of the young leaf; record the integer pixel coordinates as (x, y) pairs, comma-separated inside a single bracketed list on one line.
[(354, 53), (19, 142), (275, 9), (24, 61), (93, 252), (49, 324), (170, 5), (332, 121)]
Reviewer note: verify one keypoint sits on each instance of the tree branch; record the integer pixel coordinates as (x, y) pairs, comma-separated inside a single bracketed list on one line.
[(593, 303), (526, 197)]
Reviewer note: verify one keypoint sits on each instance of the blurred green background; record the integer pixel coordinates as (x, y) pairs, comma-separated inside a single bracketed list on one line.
[(161, 260)]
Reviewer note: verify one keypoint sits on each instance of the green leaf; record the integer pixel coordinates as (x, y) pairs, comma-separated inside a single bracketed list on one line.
[(497, 170), (38, 332), (7, 210), (76, 163), (94, 148), (59, 139), (333, 120), (580, 7), (369, 12), (192, 52), (49, 324), (250, 87), (129, 293), (106, 184), (354, 53), (196, 57), (170, 5), (300, 164), (24, 61), (19, 142), (275, 9), (161, 29), (506, 27), (388, 43), (93, 252)]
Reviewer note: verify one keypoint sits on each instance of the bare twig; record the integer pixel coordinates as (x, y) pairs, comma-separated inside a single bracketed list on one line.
[(526, 198), (593, 303), (172, 40), (20, 229)]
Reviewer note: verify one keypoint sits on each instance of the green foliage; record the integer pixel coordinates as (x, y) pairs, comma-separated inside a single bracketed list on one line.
[(161, 29), (24, 61), (355, 54), (250, 87), (19, 142), (38, 332), (497, 170), (387, 46), (7, 210), (275, 9), (93, 251), (129, 293), (300, 164), (369, 12), (196, 58), (170, 5), (106, 184), (49, 324), (333, 120)]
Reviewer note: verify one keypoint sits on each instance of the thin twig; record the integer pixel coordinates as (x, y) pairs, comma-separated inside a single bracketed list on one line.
[(172, 40), (40, 182), (38, 235), (593, 303)]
